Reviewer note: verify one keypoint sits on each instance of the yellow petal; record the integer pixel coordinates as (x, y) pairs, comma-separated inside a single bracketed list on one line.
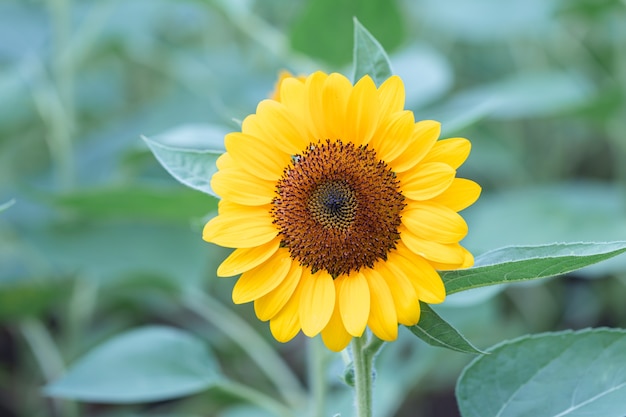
[(314, 87), (433, 251), (426, 180), (434, 222), (243, 188), (286, 324), (363, 112), (271, 303), (354, 302), (225, 161), (383, 320), (274, 123), (334, 335), (317, 301), (461, 194), (262, 279), (423, 137), (468, 261), (392, 137), (392, 95), (256, 156), (244, 259), (404, 296), (426, 281), (334, 103), (243, 227), (293, 97), (452, 151)]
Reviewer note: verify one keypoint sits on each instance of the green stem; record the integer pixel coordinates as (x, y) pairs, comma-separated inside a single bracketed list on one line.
[(48, 358), (250, 341), (255, 397), (363, 376), (363, 353)]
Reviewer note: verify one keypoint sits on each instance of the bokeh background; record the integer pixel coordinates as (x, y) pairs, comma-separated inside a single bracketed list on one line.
[(99, 239)]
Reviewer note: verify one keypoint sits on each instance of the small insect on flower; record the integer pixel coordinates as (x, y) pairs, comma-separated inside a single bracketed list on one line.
[(341, 209)]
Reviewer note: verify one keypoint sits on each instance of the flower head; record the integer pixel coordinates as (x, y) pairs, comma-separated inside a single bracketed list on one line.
[(341, 209)]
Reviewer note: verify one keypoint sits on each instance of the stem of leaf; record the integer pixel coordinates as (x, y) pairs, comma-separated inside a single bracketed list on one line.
[(250, 341), (363, 376), (48, 358)]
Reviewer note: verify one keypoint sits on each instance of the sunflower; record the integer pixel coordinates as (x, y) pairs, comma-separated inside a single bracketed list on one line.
[(341, 209)]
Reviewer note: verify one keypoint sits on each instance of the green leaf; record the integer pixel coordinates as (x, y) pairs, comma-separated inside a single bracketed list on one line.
[(325, 27), (192, 167), (6, 205), (369, 56), (30, 297), (152, 363), (138, 201), (571, 374), (521, 263), (435, 331)]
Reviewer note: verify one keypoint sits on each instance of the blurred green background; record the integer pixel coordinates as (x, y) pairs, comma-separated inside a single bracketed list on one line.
[(96, 238)]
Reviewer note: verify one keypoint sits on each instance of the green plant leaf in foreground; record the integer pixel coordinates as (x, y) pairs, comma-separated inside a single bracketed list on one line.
[(571, 374), (521, 263), (152, 363), (369, 56), (435, 331), (192, 167)]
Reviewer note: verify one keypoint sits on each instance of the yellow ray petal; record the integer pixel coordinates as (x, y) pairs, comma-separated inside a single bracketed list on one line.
[(334, 335), (334, 103), (452, 151), (404, 296), (314, 87), (431, 221), (393, 136), (426, 281), (256, 156), (274, 123), (262, 279), (423, 137), (363, 112), (468, 261), (392, 95), (433, 251), (426, 180), (317, 301), (225, 161), (293, 97), (243, 188), (383, 319), (354, 302), (244, 259), (461, 194), (243, 227), (285, 325), (271, 303)]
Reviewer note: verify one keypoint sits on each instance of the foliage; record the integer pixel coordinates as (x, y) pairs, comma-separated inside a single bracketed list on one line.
[(97, 240)]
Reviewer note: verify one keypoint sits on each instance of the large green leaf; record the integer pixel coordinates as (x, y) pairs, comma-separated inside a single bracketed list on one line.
[(152, 363), (138, 201), (369, 56), (571, 374), (521, 263), (435, 331), (191, 166)]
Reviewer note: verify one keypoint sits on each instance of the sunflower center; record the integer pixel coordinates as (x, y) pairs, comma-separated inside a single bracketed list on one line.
[(333, 204), (338, 208)]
